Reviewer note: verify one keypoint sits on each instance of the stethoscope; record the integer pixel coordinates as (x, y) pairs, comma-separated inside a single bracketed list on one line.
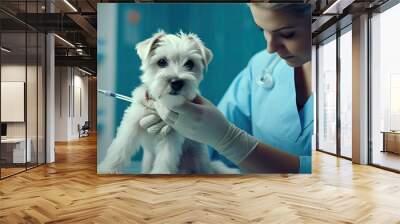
[(266, 80)]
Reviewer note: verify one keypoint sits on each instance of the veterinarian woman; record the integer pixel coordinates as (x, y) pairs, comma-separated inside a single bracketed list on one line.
[(264, 122)]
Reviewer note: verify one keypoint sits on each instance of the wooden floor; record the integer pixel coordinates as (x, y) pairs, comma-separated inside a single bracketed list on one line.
[(10, 171), (70, 191), (387, 159)]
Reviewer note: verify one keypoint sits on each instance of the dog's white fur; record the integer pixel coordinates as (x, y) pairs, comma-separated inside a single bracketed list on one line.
[(171, 153)]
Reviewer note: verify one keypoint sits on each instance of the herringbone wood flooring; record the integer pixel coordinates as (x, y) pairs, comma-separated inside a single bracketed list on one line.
[(70, 191)]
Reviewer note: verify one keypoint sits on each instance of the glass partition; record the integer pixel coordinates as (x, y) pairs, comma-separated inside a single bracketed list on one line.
[(13, 103), (22, 77)]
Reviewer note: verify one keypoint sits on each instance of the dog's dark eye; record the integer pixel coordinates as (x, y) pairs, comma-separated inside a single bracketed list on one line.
[(189, 65), (162, 63)]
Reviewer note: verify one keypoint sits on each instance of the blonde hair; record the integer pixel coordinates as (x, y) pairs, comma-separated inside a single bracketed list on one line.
[(294, 8)]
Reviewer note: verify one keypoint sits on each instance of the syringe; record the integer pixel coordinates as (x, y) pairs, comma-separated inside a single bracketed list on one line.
[(116, 95)]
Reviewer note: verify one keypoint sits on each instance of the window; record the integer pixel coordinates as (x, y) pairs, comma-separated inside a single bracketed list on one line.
[(346, 93), (327, 96), (385, 89)]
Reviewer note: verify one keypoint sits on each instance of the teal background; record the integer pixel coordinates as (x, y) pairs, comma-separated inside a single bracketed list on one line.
[(227, 29)]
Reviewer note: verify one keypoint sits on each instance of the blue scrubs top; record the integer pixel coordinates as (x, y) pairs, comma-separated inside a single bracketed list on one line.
[(270, 115)]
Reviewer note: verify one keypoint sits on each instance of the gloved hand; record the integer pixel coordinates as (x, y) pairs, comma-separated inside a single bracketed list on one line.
[(154, 125), (201, 121)]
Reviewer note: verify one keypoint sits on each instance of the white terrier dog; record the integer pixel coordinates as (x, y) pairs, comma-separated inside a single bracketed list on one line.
[(172, 68)]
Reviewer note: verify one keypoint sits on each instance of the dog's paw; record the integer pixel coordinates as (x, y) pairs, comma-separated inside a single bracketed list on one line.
[(158, 170), (165, 130), (106, 168), (156, 128), (219, 167)]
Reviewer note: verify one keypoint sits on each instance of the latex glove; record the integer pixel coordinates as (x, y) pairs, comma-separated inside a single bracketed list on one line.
[(201, 121), (155, 125)]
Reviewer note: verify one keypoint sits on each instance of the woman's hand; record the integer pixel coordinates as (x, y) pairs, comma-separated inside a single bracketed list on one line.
[(153, 124), (201, 121)]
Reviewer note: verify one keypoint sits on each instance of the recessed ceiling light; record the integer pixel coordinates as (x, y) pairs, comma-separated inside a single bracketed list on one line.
[(84, 71), (64, 40), (70, 5), (337, 7), (5, 50)]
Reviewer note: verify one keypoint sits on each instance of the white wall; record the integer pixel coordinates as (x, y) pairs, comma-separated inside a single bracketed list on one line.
[(61, 103), (70, 84), (12, 100), (33, 126), (80, 85), (14, 73), (17, 73)]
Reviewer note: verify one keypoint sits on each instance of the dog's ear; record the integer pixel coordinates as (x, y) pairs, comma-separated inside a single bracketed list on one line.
[(144, 48), (208, 55), (205, 52)]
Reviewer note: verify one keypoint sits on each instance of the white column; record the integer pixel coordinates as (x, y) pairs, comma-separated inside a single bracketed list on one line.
[(50, 93), (360, 90), (50, 109)]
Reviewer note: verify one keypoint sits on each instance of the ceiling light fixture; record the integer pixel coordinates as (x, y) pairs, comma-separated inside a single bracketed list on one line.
[(84, 71), (64, 40), (5, 50), (70, 5), (337, 7), (79, 51), (329, 9)]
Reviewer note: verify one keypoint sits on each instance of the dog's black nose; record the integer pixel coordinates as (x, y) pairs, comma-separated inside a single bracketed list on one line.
[(177, 84)]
